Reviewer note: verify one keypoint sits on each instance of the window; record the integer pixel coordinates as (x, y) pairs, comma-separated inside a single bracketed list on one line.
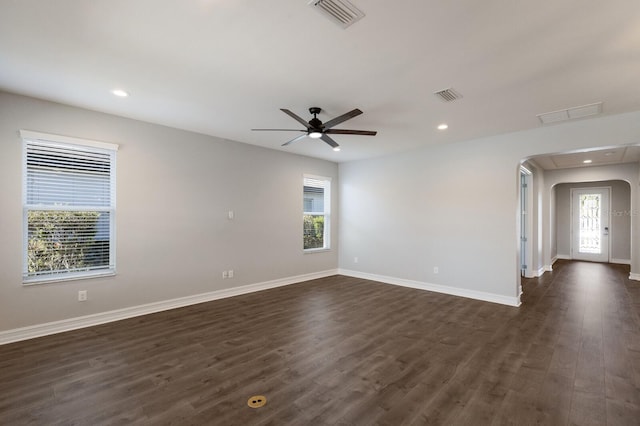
[(68, 207), (316, 205)]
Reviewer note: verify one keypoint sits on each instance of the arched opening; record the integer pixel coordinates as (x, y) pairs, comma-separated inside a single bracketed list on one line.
[(554, 177)]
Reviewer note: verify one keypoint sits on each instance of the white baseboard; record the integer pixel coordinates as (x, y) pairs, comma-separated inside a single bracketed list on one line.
[(46, 329), (567, 257), (635, 277), (535, 273), (454, 291), (549, 267), (621, 261)]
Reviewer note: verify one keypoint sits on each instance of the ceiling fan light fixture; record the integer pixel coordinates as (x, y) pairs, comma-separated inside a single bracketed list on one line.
[(315, 135), (120, 93)]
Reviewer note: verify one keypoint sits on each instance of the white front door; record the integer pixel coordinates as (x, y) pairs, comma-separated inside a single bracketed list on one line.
[(590, 224)]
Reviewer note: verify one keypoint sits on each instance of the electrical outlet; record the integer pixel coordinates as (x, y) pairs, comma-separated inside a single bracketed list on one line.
[(230, 273), (82, 296), (225, 275), (436, 270)]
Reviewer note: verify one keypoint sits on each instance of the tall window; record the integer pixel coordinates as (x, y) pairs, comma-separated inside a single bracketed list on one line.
[(68, 207), (316, 205)]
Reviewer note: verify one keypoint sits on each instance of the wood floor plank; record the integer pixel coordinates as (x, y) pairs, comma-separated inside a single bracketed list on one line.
[(587, 409), (347, 351), (622, 414)]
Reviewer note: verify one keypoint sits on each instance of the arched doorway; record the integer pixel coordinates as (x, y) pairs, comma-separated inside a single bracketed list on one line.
[(551, 172)]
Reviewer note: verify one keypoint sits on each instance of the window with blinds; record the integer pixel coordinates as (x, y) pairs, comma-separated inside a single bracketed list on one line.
[(68, 207), (316, 218)]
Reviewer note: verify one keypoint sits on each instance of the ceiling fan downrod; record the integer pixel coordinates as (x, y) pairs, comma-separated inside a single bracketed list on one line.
[(315, 123)]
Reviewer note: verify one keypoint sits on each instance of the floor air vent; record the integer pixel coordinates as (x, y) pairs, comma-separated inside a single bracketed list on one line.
[(341, 12), (448, 95)]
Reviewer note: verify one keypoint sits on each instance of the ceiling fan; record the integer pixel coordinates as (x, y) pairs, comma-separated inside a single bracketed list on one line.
[(316, 129)]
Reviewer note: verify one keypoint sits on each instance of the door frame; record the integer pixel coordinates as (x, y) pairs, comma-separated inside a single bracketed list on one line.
[(606, 209), (526, 222)]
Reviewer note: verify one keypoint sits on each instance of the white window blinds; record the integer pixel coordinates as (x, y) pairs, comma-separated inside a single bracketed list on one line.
[(69, 208)]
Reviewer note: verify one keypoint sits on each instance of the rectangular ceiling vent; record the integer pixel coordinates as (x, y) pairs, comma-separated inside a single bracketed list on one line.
[(340, 12), (448, 95), (570, 113)]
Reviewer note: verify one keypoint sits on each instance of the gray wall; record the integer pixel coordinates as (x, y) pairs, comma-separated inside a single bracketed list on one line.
[(174, 189), (455, 206), (620, 219)]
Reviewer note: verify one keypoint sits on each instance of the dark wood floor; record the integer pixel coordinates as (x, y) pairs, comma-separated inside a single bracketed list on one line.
[(348, 351)]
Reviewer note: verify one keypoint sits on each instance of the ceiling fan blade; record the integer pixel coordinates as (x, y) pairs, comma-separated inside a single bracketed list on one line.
[(277, 130), (351, 132), (297, 138), (344, 117), (330, 141), (295, 117)]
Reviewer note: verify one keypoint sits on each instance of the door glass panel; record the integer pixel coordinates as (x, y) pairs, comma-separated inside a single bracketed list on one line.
[(590, 223)]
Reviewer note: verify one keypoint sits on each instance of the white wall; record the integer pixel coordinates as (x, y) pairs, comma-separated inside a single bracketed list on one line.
[(174, 189), (619, 218), (455, 206)]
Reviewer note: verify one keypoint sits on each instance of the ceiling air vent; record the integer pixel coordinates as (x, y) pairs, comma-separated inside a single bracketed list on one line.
[(448, 95), (571, 113), (341, 12)]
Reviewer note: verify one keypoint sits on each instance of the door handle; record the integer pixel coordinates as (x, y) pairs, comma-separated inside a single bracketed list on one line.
[(606, 231)]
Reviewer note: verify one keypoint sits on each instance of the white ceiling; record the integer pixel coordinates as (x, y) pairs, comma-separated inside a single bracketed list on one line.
[(596, 157), (222, 67)]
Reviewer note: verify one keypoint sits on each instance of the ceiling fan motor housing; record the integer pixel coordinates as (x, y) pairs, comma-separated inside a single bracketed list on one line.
[(315, 124)]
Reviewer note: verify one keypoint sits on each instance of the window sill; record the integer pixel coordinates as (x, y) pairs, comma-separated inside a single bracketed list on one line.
[(315, 250), (67, 277)]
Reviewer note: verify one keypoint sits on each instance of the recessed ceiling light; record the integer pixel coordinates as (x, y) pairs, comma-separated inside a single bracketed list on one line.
[(120, 93), (336, 149), (588, 161), (443, 126)]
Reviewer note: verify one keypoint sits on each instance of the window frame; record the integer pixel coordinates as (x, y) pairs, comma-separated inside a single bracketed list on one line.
[(326, 212), (81, 145)]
